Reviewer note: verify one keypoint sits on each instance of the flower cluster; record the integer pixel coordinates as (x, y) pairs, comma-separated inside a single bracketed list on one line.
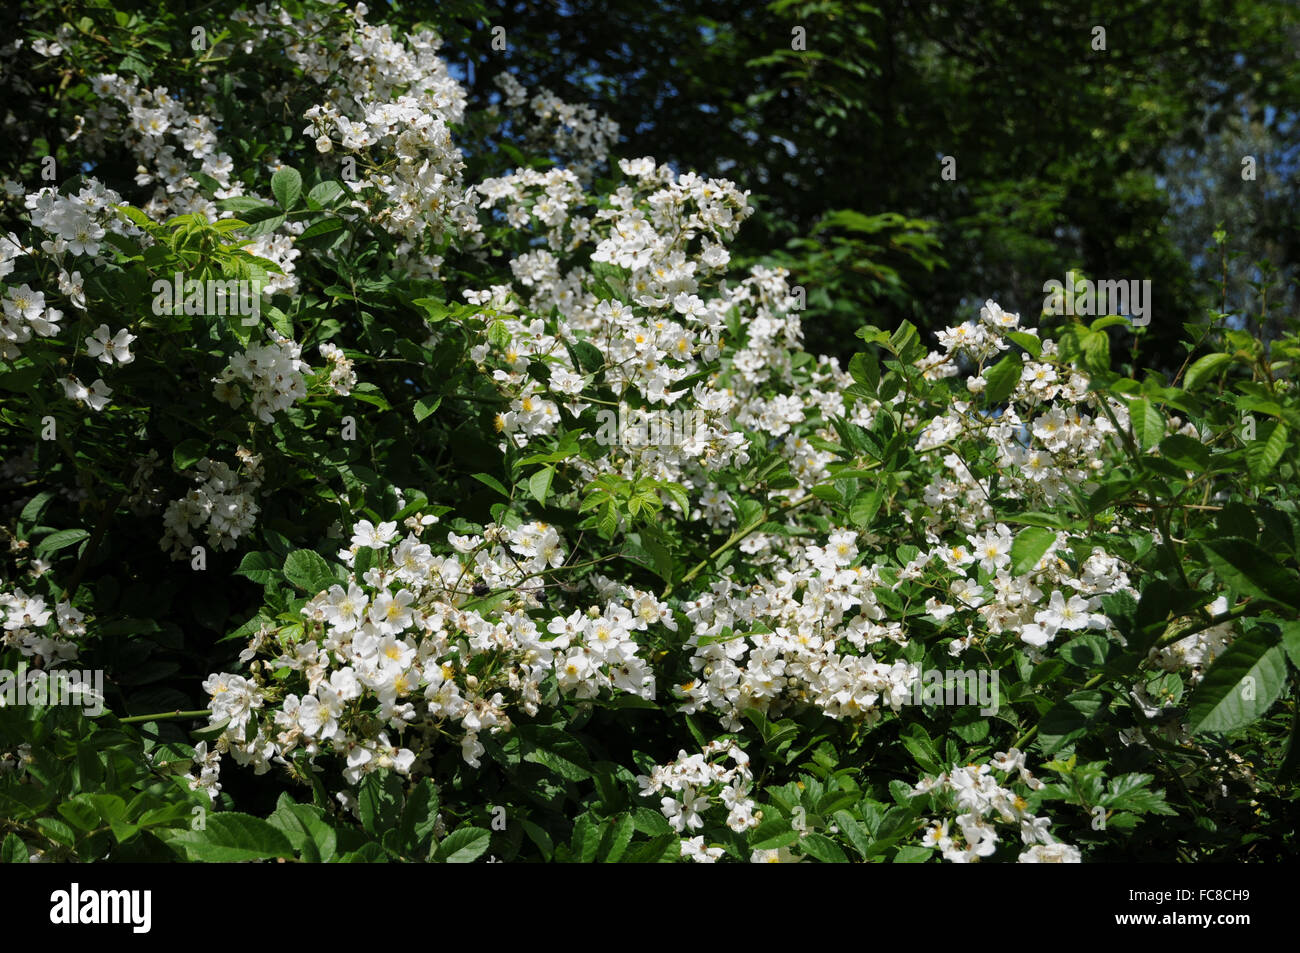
[(397, 657), (223, 505), (575, 134), (49, 634), (342, 378), (272, 373), (392, 99), (22, 312), (985, 802), (77, 223), (697, 783)]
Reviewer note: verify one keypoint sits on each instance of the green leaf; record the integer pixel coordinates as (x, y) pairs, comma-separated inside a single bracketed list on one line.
[(1203, 369), (326, 193), (60, 539), (488, 480), (1109, 321), (13, 851), (563, 755), (865, 370), (260, 221), (259, 567), (906, 343), (1070, 719), (1030, 342), (1262, 455), (1029, 547), (913, 854), (308, 570), (1241, 684), (419, 817), (305, 828), (188, 452), (425, 406), (1002, 378), (1148, 424), (35, 506), (775, 831), (664, 849), (324, 226), (231, 837), (1185, 452), (379, 801), (241, 204), (615, 840), (854, 832), (286, 186), (1291, 641), (863, 510), (585, 839), (921, 747), (80, 812), (1086, 651), (539, 485), (463, 845), (823, 848), (539, 837), (1250, 570)]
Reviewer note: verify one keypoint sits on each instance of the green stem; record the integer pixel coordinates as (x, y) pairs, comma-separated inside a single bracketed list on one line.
[(167, 716)]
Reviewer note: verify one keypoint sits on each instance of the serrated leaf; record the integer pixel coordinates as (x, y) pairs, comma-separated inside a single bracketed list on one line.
[(493, 482), (35, 506), (305, 828), (539, 484), (286, 186), (1029, 342), (308, 570), (865, 370), (1248, 569), (1185, 452), (326, 193), (1001, 379), (259, 567), (1240, 685), (231, 837), (773, 832), (13, 851), (61, 539), (1203, 369), (1262, 455), (1070, 719), (1029, 547), (419, 816), (463, 845), (1147, 422), (823, 848), (614, 843), (379, 801), (425, 406)]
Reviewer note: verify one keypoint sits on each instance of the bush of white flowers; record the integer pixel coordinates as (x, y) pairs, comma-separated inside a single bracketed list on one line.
[(376, 564)]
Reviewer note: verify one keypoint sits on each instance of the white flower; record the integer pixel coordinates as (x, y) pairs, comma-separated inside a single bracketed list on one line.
[(367, 534), (1051, 854), (109, 349), (694, 849)]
